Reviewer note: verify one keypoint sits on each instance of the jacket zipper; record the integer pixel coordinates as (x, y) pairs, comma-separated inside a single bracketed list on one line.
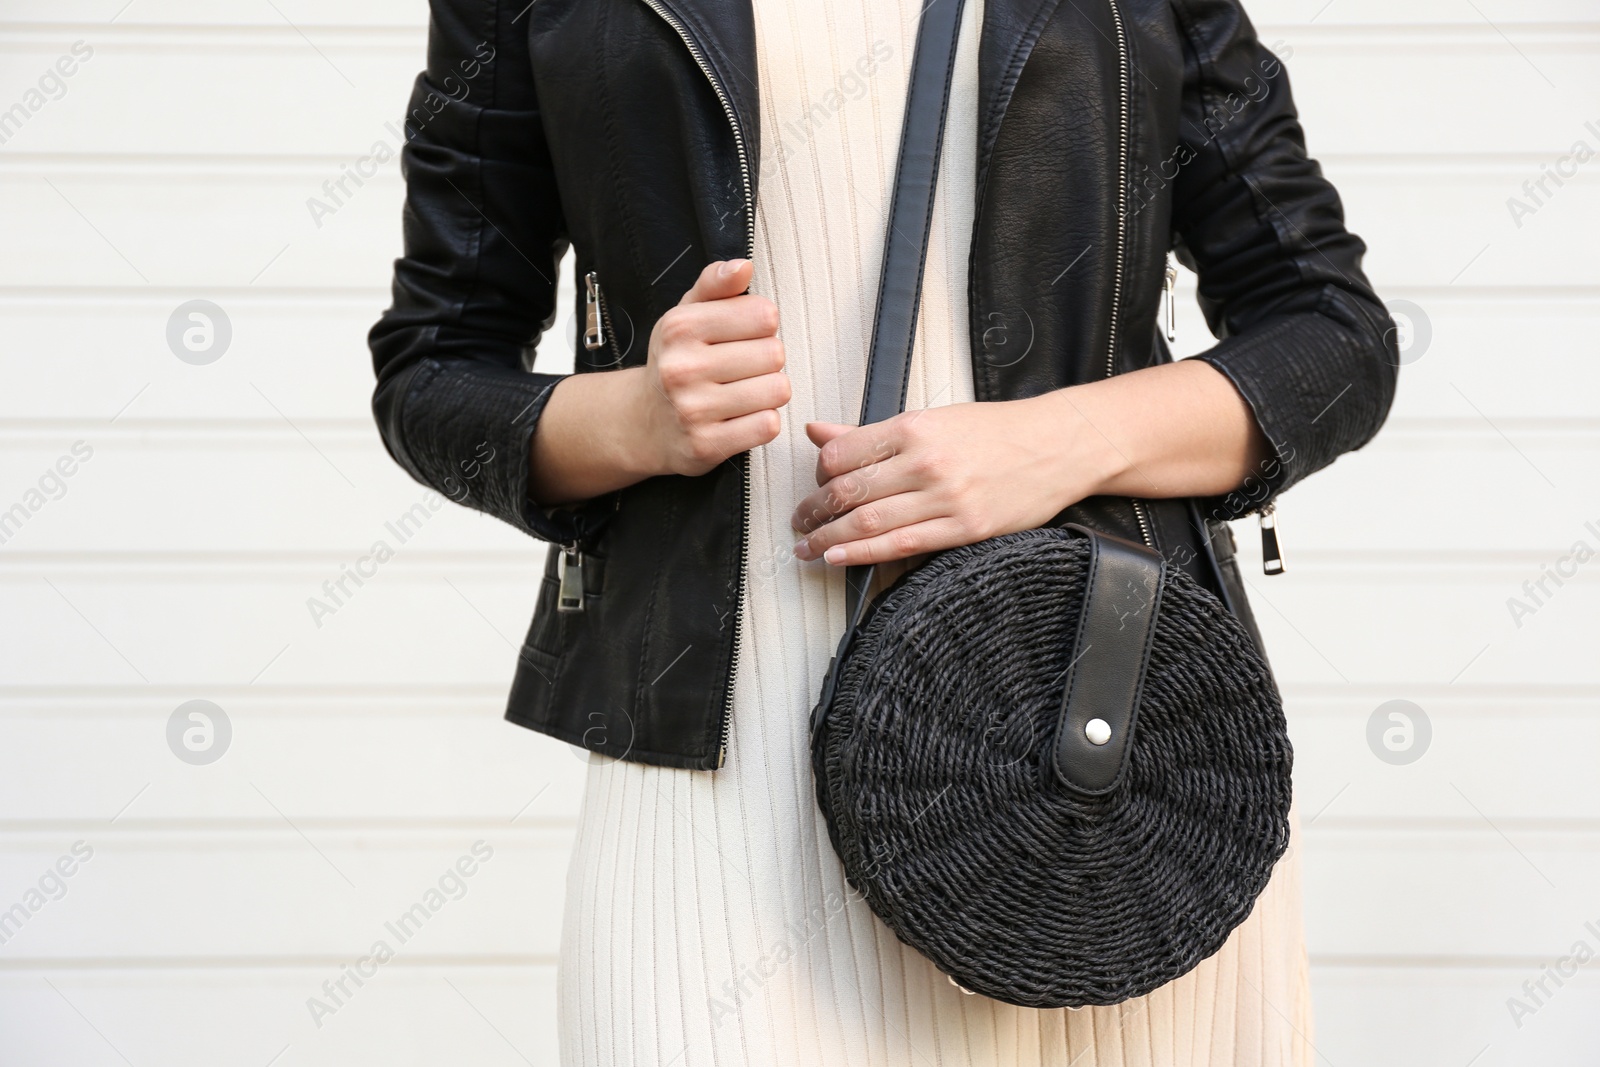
[(594, 325), (569, 596), (599, 328), (1271, 551), (1125, 78), (1169, 303), (744, 457)]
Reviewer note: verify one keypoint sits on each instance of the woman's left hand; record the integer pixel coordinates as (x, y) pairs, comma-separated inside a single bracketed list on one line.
[(940, 477)]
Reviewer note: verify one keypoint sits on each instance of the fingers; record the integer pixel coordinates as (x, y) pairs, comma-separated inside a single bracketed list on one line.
[(732, 361), (821, 433), (719, 280), (851, 448), (710, 402), (886, 516), (734, 318), (852, 490), (717, 307), (916, 538), (715, 371), (687, 373), (716, 442)]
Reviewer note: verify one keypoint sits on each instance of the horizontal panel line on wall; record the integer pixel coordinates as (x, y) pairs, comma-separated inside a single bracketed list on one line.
[(197, 165), (267, 693), (1522, 965), (127, 836), (1473, 33), (1463, 700), (51, 705), (408, 961), (1426, 565), (1364, 828), (395, 575), (1569, 298), (45, 298), (419, 566), (1441, 834), (243, 831), (266, 36), (355, 432)]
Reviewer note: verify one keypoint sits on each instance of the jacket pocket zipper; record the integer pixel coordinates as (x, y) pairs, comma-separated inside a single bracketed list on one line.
[(569, 593), (594, 329), (598, 329)]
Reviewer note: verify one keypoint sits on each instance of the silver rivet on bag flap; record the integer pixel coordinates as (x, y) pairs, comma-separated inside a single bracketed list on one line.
[(1098, 731)]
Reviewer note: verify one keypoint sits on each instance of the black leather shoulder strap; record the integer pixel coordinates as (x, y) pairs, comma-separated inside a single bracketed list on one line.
[(1106, 673), (905, 246)]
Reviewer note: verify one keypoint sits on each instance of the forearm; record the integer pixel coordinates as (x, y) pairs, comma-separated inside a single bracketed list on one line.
[(944, 476), (586, 443), (1173, 430)]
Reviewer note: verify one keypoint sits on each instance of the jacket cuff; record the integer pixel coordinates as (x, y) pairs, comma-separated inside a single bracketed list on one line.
[(1297, 374), (468, 428)]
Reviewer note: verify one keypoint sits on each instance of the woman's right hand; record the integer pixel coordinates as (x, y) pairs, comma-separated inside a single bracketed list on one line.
[(713, 381), (710, 388)]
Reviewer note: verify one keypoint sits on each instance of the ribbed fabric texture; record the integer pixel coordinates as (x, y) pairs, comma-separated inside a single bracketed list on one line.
[(707, 919)]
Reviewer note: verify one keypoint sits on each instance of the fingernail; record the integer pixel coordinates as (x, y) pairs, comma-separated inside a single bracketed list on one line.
[(834, 554), (729, 266)]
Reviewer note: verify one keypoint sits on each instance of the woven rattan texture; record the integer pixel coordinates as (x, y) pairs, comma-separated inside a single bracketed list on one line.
[(933, 768)]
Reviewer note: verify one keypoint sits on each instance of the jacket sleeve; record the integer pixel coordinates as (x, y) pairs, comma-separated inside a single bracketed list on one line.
[(1303, 336), (484, 236)]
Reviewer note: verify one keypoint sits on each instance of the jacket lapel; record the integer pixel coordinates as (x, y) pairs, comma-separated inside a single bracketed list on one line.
[(725, 32), (1010, 30)]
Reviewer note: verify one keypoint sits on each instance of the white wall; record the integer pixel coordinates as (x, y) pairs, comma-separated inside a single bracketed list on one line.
[(368, 754)]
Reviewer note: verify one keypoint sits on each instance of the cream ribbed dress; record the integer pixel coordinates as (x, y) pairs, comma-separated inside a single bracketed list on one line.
[(707, 919)]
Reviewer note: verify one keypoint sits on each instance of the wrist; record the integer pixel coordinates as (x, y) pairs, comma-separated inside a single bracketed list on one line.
[(632, 441), (1083, 447), (591, 438)]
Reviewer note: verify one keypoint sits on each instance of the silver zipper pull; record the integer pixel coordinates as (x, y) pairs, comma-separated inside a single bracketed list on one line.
[(1168, 300), (594, 331), (1271, 553), (570, 595)]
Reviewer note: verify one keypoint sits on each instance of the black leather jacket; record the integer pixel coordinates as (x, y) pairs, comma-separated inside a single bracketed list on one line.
[(1111, 131)]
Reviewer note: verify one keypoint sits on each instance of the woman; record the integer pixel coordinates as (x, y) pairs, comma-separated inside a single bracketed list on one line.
[(721, 169)]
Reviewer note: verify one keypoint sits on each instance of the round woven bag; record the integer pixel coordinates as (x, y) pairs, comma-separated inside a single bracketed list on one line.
[(933, 762)]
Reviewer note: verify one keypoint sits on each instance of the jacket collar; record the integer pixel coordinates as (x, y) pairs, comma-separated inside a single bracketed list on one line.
[(724, 31)]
